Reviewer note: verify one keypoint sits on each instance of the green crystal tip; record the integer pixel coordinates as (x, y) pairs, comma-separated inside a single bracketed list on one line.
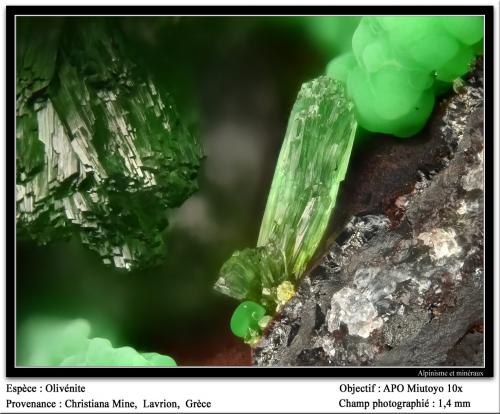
[(245, 319)]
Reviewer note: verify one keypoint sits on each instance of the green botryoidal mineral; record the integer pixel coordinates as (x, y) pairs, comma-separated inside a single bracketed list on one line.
[(311, 165), (396, 66), (399, 63), (101, 150), (50, 342)]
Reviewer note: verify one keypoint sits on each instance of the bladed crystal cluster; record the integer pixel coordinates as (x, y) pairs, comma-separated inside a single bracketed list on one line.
[(396, 67), (311, 165), (101, 150)]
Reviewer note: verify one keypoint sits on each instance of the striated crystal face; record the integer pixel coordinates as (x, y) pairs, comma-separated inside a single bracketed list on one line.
[(311, 165), (101, 151)]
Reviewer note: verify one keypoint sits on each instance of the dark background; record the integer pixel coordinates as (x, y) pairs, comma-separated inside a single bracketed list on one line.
[(234, 80)]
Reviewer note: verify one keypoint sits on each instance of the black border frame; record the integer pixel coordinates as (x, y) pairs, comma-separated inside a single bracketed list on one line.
[(196, 372)]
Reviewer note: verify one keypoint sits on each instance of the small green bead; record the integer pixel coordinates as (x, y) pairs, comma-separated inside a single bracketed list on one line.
[(246, 318)]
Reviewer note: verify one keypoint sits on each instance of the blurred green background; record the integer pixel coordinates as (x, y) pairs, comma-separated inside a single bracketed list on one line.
[(234, 80)]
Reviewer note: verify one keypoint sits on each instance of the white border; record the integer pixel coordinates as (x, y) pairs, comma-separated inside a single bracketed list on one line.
[(264, 395)]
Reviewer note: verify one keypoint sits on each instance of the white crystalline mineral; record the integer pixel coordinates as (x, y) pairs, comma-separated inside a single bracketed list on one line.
[(355, 310)]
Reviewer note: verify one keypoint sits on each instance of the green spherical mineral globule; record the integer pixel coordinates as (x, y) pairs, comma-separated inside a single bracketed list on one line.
[(396, 62), (246, 318)]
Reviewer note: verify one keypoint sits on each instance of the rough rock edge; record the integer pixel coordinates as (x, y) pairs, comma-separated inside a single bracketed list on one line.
[(400, 289)]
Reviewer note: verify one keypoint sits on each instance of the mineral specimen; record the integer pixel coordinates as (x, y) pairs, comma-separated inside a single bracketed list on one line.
[(49, 342), (311, 165), (101, 151), (245, 319), (399, 63), (403, 284)]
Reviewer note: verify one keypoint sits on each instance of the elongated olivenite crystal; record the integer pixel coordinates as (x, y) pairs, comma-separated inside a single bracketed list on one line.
[(311, 166), (101, 151)]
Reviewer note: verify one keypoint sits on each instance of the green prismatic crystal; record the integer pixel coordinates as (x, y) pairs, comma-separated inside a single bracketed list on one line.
[(101, 151), (311, 165), (49, 342)]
